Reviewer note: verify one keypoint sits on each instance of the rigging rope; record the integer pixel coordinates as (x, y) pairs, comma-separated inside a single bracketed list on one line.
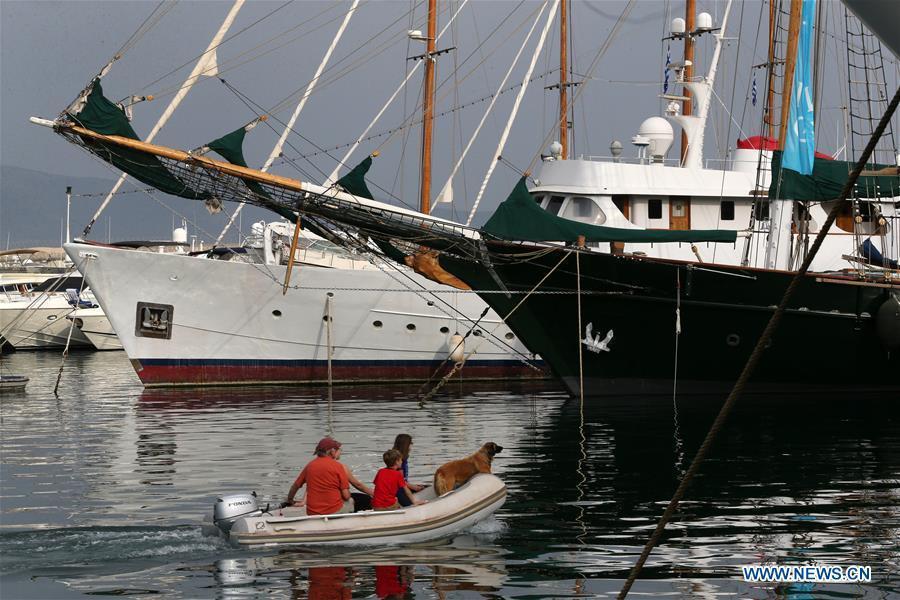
[(502, 143), (488, 111), (206, 58), (276, 150)]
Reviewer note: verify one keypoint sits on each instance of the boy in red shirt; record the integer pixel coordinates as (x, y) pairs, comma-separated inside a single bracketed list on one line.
[(388, 481)]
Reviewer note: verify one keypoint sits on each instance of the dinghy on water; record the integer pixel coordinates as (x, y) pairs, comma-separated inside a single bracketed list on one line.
[(240, 519), (12, 383)]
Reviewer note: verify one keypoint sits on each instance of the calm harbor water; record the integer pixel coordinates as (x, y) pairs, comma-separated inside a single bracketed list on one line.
[(102, 490)]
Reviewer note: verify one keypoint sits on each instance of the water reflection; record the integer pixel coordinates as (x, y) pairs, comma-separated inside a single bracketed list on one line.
[(104, 488), (467, 564)]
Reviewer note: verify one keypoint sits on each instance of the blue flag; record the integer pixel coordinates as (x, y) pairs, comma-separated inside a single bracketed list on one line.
[(800, 142), (668, 70)]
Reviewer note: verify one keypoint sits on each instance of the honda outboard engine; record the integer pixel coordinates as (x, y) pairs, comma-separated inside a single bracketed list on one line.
[(229, 509)]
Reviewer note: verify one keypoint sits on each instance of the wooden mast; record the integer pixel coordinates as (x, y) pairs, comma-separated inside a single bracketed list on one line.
[(563, 68), (428, 109), (690, 8), (790, 62), (770, 101)]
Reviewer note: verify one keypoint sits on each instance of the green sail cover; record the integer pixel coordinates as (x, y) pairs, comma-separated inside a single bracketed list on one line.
[(520, 218), (355, 181), (827, 181), (231, 148), (102, 116)]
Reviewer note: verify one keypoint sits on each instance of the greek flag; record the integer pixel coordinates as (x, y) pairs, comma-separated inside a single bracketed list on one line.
[(668, 70), (800, 142), (753, 91)]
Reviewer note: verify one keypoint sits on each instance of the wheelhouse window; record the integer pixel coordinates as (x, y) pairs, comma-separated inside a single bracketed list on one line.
[(555, 204), (654, 208), (585, 210), (726, 210)]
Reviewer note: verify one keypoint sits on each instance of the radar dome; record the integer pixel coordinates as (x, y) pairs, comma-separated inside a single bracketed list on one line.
[(660, 134)]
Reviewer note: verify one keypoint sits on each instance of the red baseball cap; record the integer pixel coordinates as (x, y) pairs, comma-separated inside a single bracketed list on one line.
[(328, 443)]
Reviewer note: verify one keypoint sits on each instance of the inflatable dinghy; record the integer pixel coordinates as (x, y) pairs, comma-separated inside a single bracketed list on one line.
[(240, 519)]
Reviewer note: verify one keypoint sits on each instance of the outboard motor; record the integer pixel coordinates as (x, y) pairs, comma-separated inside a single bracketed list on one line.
[(229, 509)]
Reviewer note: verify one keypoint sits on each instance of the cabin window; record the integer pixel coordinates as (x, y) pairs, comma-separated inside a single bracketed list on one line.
[(585, 209), (654, 208), (538, 198), (154, 320), (622, 203), (761, 210), (555, 204), (726, 210)]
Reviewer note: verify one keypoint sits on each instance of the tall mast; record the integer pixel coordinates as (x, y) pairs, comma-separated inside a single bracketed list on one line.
[(563, 68), (428, 109), (790, 62), (770, 102), (687, 105)]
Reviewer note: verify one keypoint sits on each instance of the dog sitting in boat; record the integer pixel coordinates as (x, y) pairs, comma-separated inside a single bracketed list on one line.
[(455, 473)]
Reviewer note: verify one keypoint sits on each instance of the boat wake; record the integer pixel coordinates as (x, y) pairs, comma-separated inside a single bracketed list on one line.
[(77, 547), (490, 527)]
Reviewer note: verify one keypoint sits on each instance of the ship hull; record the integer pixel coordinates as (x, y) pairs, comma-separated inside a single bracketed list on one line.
[(39, 323), (96, 328), (828, 338), (231, 323)]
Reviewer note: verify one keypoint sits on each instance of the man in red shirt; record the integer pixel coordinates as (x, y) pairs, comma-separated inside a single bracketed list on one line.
[(388, 481), (327, 484)]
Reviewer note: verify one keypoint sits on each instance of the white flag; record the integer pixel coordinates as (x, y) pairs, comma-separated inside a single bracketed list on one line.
[(210, 65), (446, 194)]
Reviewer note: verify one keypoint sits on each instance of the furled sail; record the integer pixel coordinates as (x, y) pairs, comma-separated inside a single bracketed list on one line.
[(99, 114), (828, 178)]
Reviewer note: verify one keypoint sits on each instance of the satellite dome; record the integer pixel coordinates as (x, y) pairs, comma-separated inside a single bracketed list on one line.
[(660, 135), (556, 150)]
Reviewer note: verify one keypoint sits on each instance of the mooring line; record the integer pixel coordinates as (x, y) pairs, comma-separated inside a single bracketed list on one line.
[(758, 350)]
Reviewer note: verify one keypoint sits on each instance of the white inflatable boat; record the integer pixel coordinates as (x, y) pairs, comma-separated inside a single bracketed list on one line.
[(239, 518)]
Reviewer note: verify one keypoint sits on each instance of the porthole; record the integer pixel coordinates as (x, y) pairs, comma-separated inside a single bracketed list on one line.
[(733, 340), (430, 303), (411, 326), (445, 330), (376, 324), (330, 294), (52, 317), (509, 335), (477, 333), (276, 313)]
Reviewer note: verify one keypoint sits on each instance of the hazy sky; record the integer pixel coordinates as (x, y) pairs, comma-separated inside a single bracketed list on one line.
[(50, 50)]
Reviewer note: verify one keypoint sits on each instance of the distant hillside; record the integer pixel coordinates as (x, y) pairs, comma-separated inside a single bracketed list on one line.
[(33, 205)]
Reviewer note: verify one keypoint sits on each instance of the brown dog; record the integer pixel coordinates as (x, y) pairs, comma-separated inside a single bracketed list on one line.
[(456, 472)]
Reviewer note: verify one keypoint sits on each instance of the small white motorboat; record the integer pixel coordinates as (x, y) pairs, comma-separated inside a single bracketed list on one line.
[(12, 383), (239, 518)]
